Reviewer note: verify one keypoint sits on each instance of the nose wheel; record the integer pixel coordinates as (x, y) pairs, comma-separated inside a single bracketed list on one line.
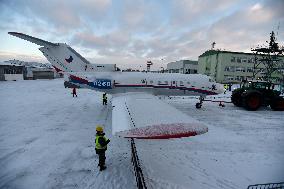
[(198, 105)]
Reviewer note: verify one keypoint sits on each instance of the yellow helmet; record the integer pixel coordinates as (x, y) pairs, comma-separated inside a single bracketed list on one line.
[(99, 128)]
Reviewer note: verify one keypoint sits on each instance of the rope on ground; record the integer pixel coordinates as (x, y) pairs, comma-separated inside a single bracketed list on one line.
[(140, 181)]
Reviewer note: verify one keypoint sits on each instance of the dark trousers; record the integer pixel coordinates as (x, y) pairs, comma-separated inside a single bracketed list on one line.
[(104, 102), (102, 157), (74, 94)]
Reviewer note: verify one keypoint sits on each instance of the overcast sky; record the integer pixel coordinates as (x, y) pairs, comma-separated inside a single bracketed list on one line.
[(130, 32)]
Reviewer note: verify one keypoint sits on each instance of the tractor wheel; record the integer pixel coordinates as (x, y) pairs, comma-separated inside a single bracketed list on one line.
[(236, 98), (277, 104), (252, 101)]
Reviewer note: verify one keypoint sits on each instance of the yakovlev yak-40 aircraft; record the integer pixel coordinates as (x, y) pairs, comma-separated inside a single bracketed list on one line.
[(137, 112)]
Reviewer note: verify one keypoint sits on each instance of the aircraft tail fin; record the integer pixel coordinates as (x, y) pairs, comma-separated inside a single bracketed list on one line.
[(62, 57), (32, 39)]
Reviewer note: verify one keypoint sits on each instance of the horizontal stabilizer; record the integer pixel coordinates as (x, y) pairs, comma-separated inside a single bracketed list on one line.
[(32, 39), (144, 116), (165, 131)]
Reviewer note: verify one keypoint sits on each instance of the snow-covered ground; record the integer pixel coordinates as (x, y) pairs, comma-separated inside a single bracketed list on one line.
[(47, 141)]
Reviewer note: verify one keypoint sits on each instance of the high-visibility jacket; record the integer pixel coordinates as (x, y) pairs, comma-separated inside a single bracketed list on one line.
[(98, 145)]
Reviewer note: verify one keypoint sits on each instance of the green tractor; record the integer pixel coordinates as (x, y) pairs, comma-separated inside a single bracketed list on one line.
[(253, 94)]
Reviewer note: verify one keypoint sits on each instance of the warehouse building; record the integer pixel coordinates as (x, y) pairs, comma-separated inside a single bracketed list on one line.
[(231, 67), (35, 70), (9, 72), (183, 66)]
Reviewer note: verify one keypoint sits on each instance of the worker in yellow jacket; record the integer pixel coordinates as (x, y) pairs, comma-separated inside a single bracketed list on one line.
[(101, 146)]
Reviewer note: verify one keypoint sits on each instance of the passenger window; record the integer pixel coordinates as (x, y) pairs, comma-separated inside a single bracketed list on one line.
[(174, 82)]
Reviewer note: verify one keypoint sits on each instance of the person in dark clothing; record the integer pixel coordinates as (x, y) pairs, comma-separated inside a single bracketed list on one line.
[(104, 99), (74, 93), (101, 147)]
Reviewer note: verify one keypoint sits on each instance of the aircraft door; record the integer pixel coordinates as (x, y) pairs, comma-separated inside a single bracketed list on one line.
[(181, 84), (173, 83)]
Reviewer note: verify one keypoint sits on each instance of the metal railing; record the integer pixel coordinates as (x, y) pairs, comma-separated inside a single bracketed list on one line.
[(279, 185), (140, 181)]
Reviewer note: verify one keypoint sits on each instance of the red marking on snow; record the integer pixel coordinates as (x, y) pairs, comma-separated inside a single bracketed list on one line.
[(165, 131)]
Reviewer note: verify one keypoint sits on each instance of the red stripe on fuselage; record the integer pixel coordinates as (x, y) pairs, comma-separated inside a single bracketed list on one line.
[(171, 87), (57, 69), (84, 81)]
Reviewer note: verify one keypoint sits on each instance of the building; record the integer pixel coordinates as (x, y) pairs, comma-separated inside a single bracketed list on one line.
[(231, 67), (35, 70), (183, 66), (9, 72)]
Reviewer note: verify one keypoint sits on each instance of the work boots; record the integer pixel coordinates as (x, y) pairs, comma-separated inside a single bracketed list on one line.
[(102, 168)]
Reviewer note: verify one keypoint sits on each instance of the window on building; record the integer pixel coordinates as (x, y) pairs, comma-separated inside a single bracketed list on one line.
[(240, 69), (233, 59), (244, 60), (229, 68), (249, 69), (239, 60), (228, 77), (239, 78), (195, 71)]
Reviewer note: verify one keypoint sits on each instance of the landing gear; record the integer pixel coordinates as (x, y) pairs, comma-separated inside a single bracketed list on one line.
[(198, 105)]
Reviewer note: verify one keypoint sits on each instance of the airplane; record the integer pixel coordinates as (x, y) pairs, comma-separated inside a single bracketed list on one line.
[(137, 111)]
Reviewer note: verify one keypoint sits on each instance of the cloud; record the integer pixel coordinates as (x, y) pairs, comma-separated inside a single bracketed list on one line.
[(136, 31), (18, 56)]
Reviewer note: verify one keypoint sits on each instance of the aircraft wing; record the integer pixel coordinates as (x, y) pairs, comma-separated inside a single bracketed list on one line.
[(144, 116), (33, 39)]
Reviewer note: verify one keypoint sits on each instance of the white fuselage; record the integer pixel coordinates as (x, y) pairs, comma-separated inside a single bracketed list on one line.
[(173, 84), (81, 73)]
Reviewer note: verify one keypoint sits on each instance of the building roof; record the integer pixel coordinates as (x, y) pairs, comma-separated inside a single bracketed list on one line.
[(9, 64), (212, 52), (195, 62)]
